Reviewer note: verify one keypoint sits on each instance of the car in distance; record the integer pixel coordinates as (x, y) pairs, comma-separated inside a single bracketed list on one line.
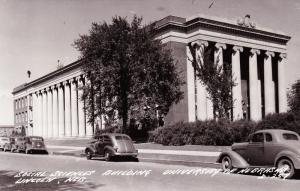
[(18, 145), (8, 146), (3, 141), (34, 143), (269, 148), (110, 145)]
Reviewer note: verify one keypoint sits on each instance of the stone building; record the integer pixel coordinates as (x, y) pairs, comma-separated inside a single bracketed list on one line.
[(257, 57)]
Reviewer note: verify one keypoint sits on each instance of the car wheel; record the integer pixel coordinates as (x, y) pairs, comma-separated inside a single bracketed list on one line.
[(88, 155), (286, 168), (226, 163), (107, 155)]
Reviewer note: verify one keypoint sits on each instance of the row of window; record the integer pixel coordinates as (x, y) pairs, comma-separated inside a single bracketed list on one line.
[(21, 117), (22, 102)]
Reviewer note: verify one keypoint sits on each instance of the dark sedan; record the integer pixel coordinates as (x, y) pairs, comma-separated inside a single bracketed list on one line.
[(268, 148), (110, 145), (35, 143)]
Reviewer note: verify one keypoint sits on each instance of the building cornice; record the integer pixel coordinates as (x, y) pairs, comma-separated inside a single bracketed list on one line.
[(48, 76), (182, 25)]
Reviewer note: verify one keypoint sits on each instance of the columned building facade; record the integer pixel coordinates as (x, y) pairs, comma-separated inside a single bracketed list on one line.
[(257, 58), (55, 108)]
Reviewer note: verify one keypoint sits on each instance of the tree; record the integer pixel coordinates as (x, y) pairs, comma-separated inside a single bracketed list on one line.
[(129, 72), (216, 78), (294, 97)]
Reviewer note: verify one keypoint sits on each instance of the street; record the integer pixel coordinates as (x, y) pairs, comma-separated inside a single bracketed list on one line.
[(49, 172)]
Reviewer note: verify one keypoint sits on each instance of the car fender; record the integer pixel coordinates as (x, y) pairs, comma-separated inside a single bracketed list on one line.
[(237, 160), (93, 149), (111, 149), (290, 155)]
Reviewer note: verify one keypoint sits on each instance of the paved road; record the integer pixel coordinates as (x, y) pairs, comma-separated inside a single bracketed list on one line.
[(51, 171)]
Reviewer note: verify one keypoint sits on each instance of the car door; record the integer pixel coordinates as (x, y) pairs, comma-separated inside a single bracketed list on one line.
[(255, 149), (99, 146), (272, 148)]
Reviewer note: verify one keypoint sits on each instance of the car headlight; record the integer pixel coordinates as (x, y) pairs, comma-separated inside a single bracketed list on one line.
[(298, 156)]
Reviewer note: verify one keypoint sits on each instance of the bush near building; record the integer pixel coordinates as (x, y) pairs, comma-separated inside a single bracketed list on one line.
[(221, 132)]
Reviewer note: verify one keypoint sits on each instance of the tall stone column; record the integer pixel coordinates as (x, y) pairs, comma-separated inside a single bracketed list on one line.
[(218, 55), (55, 124), (68, 125), (253, 85), (45, 113), (190, 87), (218, 58), (61, 111), (268, 84), (282, 97), (237, 89), (81, 113), (35, 113), (49, 112), (74, 107), (40, 109), (200, 46)]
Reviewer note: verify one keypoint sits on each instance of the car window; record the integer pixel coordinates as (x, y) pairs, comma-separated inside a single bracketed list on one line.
[(258, 137), (106, 139), (4, 139), (119, 137), (36, 139), (289, 136), (268, 137)]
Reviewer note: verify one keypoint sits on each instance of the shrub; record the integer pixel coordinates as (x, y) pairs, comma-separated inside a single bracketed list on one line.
[(221, 132)]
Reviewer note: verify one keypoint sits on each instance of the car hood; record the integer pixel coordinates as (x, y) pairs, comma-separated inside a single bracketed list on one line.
[(239, 145)]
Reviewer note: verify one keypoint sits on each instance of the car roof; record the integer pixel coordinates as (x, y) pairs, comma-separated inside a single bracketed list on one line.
[(34, 136), (114, 134), (275, 131)]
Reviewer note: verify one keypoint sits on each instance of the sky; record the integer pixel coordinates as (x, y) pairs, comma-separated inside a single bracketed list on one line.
[(35, 34)]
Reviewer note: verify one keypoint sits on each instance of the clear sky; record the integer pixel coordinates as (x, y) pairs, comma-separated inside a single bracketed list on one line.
[(34, 34)]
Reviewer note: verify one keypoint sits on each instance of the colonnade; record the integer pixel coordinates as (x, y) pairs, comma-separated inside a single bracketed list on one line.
[(201, 107), (58, 110)]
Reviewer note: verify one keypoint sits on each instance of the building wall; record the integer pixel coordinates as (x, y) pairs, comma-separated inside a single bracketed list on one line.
[(179, 111)]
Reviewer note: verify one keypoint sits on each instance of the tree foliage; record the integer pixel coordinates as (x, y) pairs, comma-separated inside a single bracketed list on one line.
[(294, 97), (216, 78), (129, 73)]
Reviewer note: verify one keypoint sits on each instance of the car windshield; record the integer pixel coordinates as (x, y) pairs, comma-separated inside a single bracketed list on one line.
[(119, 137), (289, 136)]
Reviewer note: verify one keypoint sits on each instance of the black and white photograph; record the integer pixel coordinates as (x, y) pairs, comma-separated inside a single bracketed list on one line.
[(108, 95)]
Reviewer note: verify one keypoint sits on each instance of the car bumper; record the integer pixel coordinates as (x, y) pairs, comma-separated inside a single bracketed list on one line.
[(126, 154)]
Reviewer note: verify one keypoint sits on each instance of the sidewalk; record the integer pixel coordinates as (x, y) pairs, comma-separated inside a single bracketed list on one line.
[(190, 155)]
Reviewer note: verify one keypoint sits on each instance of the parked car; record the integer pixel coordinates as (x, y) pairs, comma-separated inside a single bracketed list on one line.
[(34, 143), (110, 145), (270, 148), (3, 141), (18, 145), (8, 146)]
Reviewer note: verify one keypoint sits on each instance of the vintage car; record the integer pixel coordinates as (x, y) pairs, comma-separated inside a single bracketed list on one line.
[(18, 144), (3, 141), (268, 148), (34, 143), (8, 146), (110, 145)]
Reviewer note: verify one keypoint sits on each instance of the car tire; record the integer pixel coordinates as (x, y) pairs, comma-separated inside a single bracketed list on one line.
[(226, 163), (107, 155), (88, 155), (288, 165)]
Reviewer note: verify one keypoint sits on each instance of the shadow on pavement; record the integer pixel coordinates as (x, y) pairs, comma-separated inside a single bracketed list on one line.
[(8, 183)]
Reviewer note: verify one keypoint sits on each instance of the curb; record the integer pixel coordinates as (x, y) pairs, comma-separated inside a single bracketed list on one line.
[(159, 161)]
